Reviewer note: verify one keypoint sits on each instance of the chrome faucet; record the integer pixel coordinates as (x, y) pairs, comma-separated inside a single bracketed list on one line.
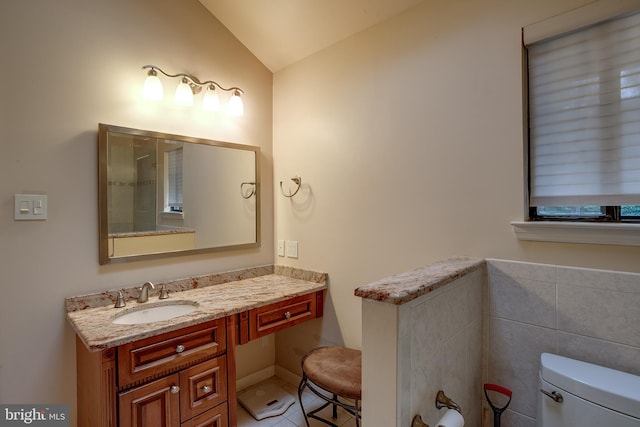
[(144, 292)]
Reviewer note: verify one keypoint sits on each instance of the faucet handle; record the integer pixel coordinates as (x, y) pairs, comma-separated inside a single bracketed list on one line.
[(163, 292), (120, 301)]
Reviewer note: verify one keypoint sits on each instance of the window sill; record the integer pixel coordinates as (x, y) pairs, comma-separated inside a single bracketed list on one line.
[(578, 232), (172, 215)]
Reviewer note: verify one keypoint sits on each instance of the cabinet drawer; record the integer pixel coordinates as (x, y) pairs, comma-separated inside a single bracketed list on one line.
[(216, 417), (202, 387), (274, 317), (168, 352)]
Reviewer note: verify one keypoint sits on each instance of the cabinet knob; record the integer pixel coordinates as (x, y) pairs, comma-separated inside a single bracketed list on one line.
[(175, 389), (287, 315), (179, 348), (206, 389)]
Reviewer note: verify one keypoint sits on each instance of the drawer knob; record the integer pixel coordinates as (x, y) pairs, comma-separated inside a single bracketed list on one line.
[(175, 389), (287, 315), (206, 389), (179, 348)]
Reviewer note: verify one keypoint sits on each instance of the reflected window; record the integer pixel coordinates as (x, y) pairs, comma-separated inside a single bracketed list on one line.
[(173, 180)]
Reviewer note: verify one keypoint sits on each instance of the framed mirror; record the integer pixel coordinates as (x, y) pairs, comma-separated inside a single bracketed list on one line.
[(164, 195)]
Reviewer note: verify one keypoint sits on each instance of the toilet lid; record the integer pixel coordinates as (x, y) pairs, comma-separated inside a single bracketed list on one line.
[(613, 389)]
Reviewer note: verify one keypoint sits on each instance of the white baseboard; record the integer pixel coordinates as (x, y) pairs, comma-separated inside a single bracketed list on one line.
[(255, 378), (288, 376), (265, 374)]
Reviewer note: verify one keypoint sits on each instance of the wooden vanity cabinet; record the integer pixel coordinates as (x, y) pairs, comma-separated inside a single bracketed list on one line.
[(184, 378), (181, 378)]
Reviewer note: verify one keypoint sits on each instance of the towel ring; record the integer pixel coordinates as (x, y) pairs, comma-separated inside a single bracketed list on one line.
[(298, 181), (252, 190)]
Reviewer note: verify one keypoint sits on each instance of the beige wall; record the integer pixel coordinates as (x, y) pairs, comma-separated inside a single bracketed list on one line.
[(66, 66), (409, 138)]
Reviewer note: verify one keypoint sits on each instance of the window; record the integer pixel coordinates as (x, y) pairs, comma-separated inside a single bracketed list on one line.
[(584, 123), (173, 180)]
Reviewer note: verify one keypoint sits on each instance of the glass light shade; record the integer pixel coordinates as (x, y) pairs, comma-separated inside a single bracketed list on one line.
[(236, 107), (184, 95), (152, 89), (211, 101)]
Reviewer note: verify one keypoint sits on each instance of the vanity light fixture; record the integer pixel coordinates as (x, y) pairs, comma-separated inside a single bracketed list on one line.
[(184, 94), (152, 90), (236, 108), (211, 100), (188, 87)]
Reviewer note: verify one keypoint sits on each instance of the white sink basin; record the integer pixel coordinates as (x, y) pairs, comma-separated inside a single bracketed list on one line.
[(155, 313)]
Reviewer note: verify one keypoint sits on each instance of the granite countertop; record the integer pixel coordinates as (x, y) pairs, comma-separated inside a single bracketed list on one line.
[(93, 324), (404, 287)]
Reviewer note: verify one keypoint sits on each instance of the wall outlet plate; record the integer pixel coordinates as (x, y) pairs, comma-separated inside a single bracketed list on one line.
[(280, 247), (29, 207), (292, 249)]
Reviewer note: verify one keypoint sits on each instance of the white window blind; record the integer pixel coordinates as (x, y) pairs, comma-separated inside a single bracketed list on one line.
[(174, 177), (584, 116)]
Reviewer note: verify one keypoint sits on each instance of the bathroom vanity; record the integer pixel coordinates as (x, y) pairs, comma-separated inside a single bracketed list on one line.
[(181, 371)]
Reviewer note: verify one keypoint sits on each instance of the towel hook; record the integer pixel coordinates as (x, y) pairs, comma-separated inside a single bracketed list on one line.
[(298, 181), (251, 192)]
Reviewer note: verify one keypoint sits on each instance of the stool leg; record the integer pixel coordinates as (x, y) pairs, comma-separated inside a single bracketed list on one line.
[(357, 414), (335, 407), (301, 387)]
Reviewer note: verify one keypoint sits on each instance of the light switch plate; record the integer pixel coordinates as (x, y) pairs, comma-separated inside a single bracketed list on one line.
[(29, 207), (292, 249), (280, 247)]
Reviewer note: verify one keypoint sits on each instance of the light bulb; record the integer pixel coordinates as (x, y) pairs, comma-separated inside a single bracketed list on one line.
[(211, 101), (236, 107), (152, 89), (184, 95)]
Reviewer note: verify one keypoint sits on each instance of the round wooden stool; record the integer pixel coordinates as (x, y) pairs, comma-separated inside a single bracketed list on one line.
[(336, 371)]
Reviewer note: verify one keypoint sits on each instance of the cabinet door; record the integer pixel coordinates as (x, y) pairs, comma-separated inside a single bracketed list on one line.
[(202, 387), (216, 417), (156, 404)]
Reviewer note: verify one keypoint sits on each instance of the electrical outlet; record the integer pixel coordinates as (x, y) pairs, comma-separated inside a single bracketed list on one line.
[(292, 249), (280, 247)]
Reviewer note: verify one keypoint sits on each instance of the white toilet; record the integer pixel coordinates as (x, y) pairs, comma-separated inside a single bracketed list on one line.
[(574, 393)]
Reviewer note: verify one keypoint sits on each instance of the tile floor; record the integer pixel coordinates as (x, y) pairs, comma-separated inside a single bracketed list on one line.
[(293, 416)]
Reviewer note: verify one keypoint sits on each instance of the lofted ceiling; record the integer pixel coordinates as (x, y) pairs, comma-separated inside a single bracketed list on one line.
[(281, 32)]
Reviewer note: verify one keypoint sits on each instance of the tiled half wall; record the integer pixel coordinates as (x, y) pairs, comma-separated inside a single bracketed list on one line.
[(585, 314), (412, 350), (433, 342)]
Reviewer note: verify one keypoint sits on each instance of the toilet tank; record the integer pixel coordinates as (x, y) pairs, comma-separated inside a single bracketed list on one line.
[(591, 395)]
